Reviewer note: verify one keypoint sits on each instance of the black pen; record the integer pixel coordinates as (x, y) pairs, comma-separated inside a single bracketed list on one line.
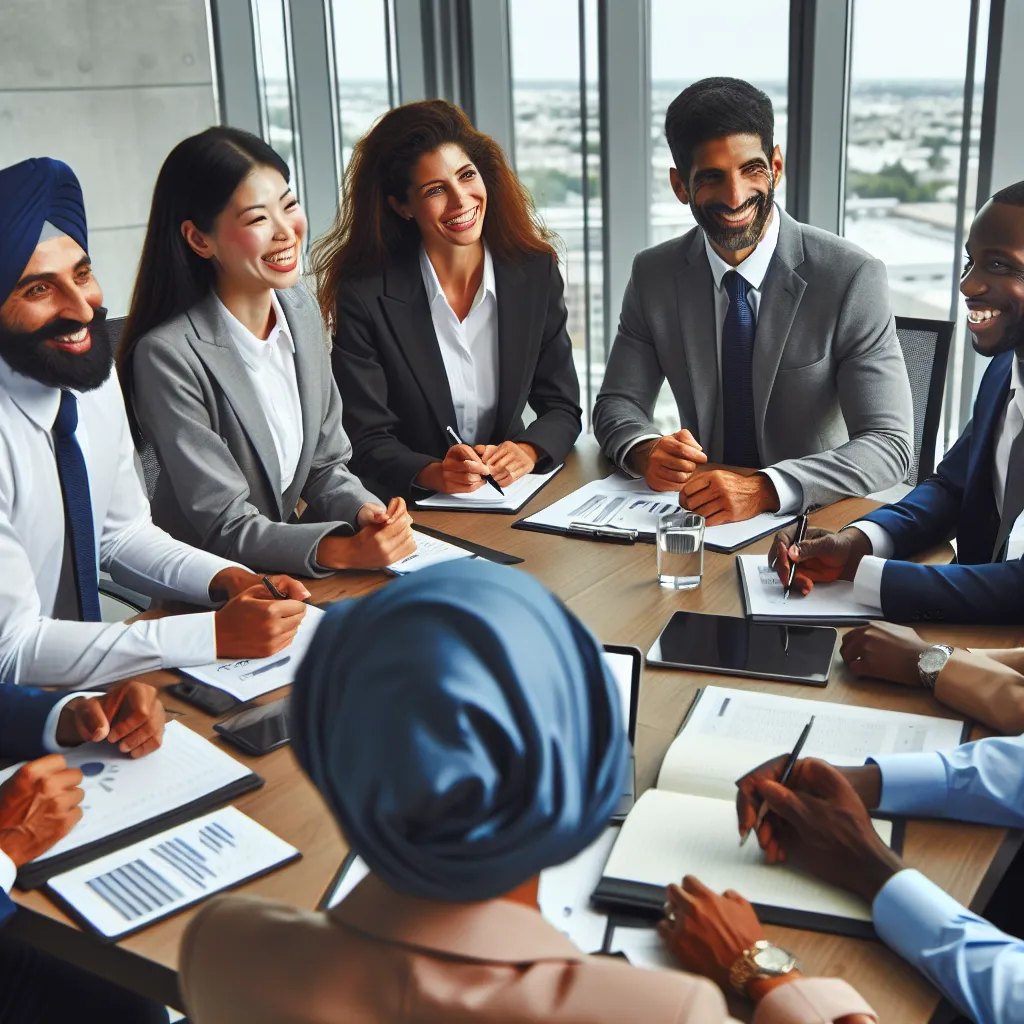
[(786, 772), (490, 479), (801, 532), (274, 592)]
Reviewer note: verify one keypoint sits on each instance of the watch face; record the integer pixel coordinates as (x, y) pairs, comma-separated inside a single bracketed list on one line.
[(932, 660), (773, 960)]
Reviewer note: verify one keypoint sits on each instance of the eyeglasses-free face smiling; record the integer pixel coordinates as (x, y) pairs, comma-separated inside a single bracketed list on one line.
[(447, 198), (993, 279), (257, 238)]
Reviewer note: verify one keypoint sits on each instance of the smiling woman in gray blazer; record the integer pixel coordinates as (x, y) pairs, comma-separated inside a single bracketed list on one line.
[(226, 370)]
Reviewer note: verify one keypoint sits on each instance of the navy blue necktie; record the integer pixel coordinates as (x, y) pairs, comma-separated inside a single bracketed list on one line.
[(737, 376), (74, 485)]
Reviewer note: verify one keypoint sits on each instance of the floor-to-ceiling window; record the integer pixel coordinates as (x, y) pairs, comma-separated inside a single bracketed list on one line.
[(276, 80)]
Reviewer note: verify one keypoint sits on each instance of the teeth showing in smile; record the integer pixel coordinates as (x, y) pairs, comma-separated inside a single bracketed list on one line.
[(71, 339), (463, 218), (977, 316), (285, 256)]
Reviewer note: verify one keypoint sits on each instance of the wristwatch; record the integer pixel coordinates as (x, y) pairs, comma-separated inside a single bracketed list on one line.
[(931, 662), (763, 960)]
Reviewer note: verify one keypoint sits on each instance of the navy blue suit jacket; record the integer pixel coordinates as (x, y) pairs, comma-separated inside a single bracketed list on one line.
[(958, 501), (23, 713)]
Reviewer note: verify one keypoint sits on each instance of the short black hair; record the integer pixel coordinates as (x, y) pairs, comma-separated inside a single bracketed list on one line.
[(1012, 195), (713, 108)]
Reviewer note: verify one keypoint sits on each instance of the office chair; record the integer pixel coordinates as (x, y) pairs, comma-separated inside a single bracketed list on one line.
[(925, 345), (118, 603)]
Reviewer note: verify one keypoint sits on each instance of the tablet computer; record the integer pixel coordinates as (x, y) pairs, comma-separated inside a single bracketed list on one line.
[(741, 647)]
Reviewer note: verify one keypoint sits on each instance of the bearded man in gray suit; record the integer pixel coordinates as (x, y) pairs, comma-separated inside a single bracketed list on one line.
[(776, 338)]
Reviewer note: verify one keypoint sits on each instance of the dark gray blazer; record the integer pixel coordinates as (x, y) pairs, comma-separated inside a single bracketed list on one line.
[(832, 401), (218, 487), (388, 366)]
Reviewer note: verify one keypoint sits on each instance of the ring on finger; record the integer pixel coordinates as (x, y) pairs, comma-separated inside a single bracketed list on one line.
[(670, 914)]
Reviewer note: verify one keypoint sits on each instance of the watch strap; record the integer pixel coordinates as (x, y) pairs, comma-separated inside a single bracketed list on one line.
[(929, 678)]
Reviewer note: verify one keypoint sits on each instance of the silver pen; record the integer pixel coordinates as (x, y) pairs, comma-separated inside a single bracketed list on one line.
[(266, 668)]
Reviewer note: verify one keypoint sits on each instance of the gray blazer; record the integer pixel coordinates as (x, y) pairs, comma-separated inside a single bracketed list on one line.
[(832, 401), (218, 487)]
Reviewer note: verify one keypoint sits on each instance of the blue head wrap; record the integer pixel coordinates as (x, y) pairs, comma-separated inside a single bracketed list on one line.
[(33, 193), (464, 729)]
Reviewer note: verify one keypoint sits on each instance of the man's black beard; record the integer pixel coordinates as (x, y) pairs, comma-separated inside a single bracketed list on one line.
[(736, 238), (1011, 343), (26, 352)]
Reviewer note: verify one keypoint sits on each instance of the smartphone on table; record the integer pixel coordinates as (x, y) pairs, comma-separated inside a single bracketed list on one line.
[(258, 730)]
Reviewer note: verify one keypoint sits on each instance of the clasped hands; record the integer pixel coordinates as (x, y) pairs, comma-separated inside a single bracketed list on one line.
[(677, 462), (40, 803), (464, 469)]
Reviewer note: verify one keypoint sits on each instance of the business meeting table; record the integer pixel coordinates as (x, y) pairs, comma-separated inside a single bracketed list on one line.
[(613, 589)]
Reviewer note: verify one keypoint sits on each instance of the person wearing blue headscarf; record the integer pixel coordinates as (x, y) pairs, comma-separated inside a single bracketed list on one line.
[(463, 729)]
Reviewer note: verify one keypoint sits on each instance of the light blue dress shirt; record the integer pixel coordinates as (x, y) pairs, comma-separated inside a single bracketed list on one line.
[(978, 967)]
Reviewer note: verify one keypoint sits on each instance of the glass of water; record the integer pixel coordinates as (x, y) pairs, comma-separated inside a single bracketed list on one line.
[(680, 550)]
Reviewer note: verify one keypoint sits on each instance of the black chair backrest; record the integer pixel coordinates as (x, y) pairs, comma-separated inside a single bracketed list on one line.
[(925, 345), (147, 453)]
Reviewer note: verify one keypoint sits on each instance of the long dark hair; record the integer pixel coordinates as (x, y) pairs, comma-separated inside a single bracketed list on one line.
[(367, 234), (196, 182)]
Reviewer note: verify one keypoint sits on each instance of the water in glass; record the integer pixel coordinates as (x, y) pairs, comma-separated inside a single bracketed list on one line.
[(680, 550)]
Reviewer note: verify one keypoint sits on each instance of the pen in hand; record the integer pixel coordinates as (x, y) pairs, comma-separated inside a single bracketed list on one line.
[(801, 532), (274, 592), (762, 812), (458, 440)]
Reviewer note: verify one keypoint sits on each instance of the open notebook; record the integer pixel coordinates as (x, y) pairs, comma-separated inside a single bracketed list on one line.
[(827, 604), (487, 499), (687, 825)]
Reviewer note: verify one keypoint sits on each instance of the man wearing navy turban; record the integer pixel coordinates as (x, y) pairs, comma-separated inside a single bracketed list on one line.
[(70, 499), (465, 732)]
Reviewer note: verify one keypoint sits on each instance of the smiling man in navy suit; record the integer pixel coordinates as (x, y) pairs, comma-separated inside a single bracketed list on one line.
[(977, 493), (39, 805)]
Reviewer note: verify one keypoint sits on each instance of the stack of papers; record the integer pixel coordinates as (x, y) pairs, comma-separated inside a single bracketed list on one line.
[(829, 603), (124, 891), (247, 678), (487, 499), (618, 504), (429, 551)]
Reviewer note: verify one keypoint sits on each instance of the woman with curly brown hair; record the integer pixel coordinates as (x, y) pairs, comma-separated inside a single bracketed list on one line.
[(446, 305)]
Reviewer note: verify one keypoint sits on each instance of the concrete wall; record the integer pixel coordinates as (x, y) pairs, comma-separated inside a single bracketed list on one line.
[(108, 86)]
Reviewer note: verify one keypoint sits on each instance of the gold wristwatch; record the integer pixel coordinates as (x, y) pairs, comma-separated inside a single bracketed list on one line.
[(763, 960)]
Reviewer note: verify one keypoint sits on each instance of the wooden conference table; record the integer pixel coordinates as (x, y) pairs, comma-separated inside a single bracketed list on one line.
[(612, 589)]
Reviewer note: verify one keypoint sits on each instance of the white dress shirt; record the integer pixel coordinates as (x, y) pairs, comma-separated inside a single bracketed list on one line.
[(867, 583), (469, 349), (35, 647), (270, 365), (753, 270)]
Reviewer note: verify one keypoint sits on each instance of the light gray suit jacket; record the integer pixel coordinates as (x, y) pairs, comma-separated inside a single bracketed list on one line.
[(832, 402), (219, 484)]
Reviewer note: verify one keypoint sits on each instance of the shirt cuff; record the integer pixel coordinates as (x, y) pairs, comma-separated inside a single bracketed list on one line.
[(911, 913), (185, 640), (791, 494), (8, 872), (912, 783), (197, 575), (50, 744), (867, 584), (624, 457), (881, 543)]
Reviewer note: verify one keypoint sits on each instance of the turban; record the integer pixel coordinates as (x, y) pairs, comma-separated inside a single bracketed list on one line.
[(464, 729), (32, 194)]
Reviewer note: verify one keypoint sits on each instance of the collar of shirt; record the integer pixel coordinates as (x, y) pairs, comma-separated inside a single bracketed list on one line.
[(755, 266), (255, 350), (1016, 389), (39, 402), (433, 285)]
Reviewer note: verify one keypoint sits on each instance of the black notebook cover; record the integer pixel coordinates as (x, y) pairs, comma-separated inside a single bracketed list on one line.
[(37, 873)]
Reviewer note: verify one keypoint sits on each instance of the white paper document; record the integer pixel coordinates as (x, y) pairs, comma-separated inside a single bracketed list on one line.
[(623, 504), (429, 551), (486, 498), (827, 602), (247, 678), (668, 835), (643, 947), (127, 890), (122, 792), (731, 731), (565, 890)]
